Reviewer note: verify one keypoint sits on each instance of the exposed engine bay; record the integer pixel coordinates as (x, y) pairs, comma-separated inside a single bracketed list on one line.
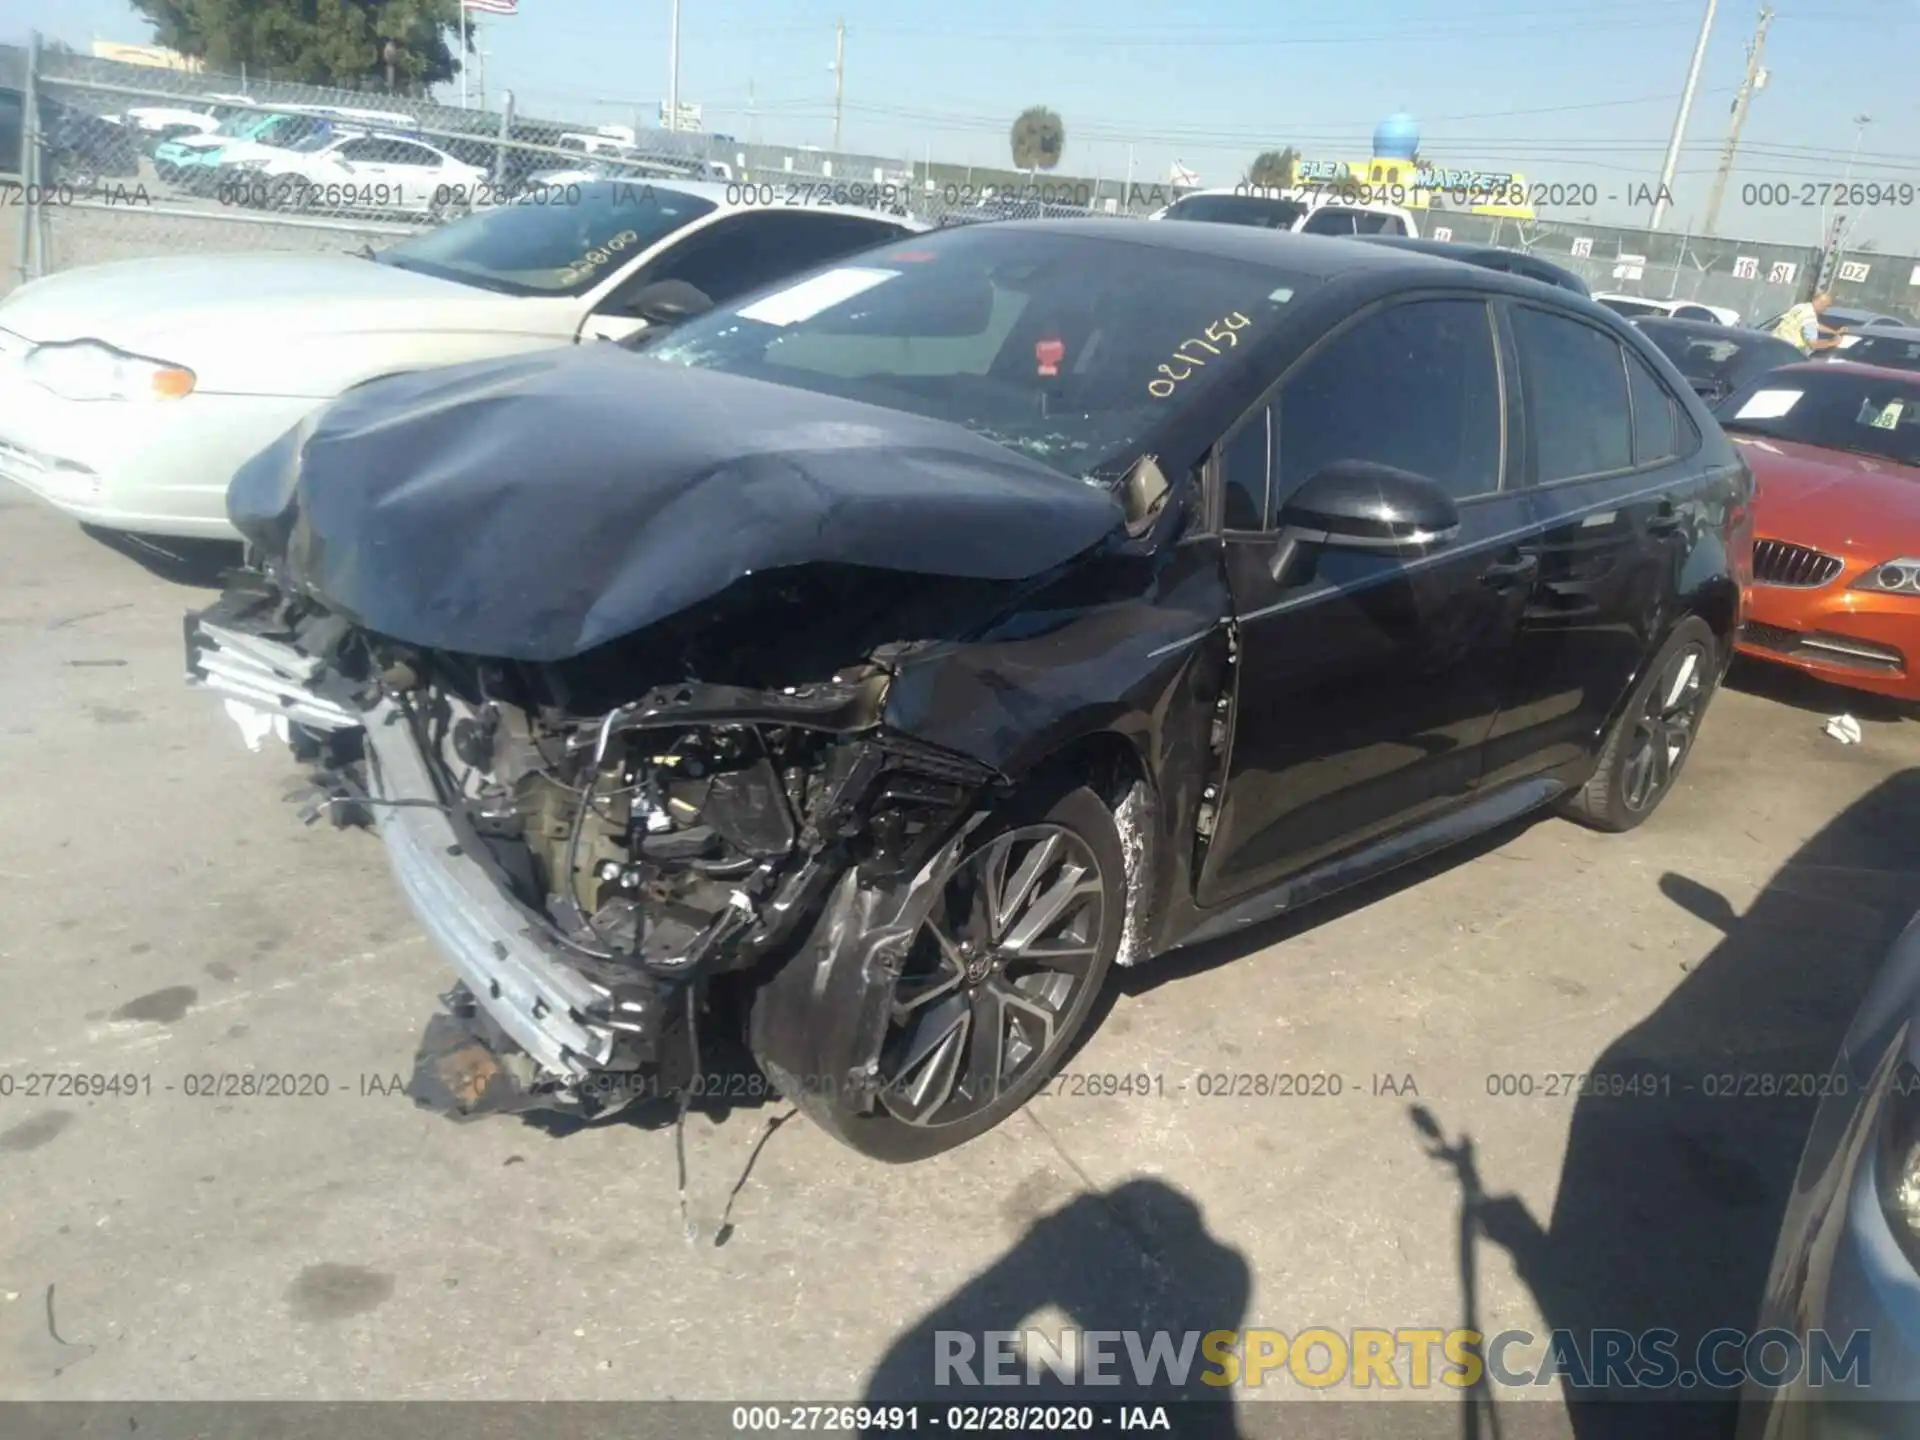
[(648, 846)]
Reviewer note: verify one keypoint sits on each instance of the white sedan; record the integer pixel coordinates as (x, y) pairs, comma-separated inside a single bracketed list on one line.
[(349, 171), (1639, 306), (130, 392)]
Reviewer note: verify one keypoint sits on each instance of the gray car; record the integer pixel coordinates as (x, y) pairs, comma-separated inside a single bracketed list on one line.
[(1848, 1257)]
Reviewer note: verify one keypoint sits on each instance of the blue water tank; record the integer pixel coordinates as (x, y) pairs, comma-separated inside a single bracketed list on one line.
[(1397, 137)]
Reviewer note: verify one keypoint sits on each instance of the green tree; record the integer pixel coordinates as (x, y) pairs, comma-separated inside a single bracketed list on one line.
[(1273, 168), (401, 46), (1039, 138)]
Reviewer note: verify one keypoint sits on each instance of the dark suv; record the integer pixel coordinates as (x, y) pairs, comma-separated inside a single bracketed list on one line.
[(867, 666)]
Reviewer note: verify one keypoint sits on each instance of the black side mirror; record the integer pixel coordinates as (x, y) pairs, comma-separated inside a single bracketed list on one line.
[(668, 302), (1358, 505)]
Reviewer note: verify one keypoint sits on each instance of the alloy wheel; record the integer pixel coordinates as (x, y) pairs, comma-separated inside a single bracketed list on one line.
[(1665, 728), (1000, 962)]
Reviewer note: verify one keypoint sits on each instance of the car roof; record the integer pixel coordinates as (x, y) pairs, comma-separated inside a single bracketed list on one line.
[(1827, 367), (1847, 312), (1470, 254), (1314, 257), (1706, 329), (1890, 332)]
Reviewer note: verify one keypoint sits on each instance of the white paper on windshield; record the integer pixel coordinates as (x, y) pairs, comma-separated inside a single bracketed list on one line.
[(1769, 404), (1846, 342), (810, 297)]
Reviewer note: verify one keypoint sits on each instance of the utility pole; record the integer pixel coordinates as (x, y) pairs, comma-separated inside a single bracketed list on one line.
[(1756, 79), (673, 71), (839, 76), (1680, 120), (1860, 133)]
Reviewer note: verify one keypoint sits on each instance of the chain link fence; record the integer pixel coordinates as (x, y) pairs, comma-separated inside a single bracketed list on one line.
[(130, 162), (114, 161)]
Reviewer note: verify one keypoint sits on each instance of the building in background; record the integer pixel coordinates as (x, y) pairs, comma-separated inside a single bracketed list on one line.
[(1397, 166), (156, 57)]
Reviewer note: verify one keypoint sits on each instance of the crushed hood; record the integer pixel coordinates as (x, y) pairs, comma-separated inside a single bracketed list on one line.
[(536, 507)]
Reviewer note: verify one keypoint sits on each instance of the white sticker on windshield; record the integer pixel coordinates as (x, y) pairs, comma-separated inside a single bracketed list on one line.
[(810, 297), (1846, 342), (1769, 404)]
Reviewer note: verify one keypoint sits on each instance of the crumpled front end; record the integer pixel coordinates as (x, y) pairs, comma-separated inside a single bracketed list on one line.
[(588, 868)]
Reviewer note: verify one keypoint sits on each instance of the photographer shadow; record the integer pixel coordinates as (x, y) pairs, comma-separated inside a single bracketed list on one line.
[(1137, 1258), (1670, 1199)]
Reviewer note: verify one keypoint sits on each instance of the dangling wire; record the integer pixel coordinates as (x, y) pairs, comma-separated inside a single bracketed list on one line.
[(687, 1227)]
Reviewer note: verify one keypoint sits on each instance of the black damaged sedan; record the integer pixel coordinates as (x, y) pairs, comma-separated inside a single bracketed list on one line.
[(862, 670)]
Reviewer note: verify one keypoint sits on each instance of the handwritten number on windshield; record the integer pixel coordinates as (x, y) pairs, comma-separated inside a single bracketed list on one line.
[(1218, 333), (598, 256)]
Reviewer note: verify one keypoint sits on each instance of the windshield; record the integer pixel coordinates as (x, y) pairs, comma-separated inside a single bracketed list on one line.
[(318, 140), (1264, 211), (243, 124), (540, 249), (1892, 351), (1861, 414), (1719, 358), (1069, 349), (285, 132)]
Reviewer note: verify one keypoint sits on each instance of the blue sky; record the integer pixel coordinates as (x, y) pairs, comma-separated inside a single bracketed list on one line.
[(1497, 84)]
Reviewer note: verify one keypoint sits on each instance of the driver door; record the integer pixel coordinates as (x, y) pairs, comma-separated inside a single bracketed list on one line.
[(736, 255), (1367, 684)]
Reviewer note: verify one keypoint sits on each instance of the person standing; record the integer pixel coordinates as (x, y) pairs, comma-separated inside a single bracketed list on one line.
[(1801, 326)]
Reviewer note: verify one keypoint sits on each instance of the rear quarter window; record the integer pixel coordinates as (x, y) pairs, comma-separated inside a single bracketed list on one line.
[(1575, 379)]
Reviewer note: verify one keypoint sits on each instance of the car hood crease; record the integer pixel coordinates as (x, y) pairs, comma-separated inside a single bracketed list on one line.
[(537, 507)]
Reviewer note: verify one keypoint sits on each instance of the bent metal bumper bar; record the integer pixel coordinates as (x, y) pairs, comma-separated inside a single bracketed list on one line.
[(514, 974)]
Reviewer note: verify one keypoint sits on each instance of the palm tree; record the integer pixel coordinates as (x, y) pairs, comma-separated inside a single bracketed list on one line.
[(1039, 136), (1273, 169)]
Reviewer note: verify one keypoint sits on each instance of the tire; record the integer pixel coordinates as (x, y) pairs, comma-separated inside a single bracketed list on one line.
[(968, 965), (1654, 734)]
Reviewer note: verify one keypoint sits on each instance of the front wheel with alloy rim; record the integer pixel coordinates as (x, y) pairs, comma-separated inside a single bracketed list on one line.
[(1006, 962), (1655, 732)]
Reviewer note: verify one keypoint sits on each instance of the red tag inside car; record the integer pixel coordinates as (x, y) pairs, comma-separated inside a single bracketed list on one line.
[(1049, 353)]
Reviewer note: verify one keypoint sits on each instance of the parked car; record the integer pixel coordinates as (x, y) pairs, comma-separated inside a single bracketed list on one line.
[(872, 663), (1891, 347), (130, 392), (156, 124), (1848, 1258), (1488, 257), (1838, 320), (79, 149), (1636, 307), (1836, 563), (201, 163), (354, 171), (1718, 359), (1302, 212)]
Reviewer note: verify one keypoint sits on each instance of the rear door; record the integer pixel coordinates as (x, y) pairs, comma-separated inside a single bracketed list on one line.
[(1611, 483)]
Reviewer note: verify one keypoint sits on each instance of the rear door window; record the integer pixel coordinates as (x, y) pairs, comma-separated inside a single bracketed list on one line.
[(1654, 436)]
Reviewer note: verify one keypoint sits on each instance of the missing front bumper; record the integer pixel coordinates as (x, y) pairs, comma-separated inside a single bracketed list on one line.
[(571, 1026)]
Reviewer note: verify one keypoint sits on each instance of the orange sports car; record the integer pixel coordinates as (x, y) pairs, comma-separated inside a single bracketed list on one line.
[(1835, 447)]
